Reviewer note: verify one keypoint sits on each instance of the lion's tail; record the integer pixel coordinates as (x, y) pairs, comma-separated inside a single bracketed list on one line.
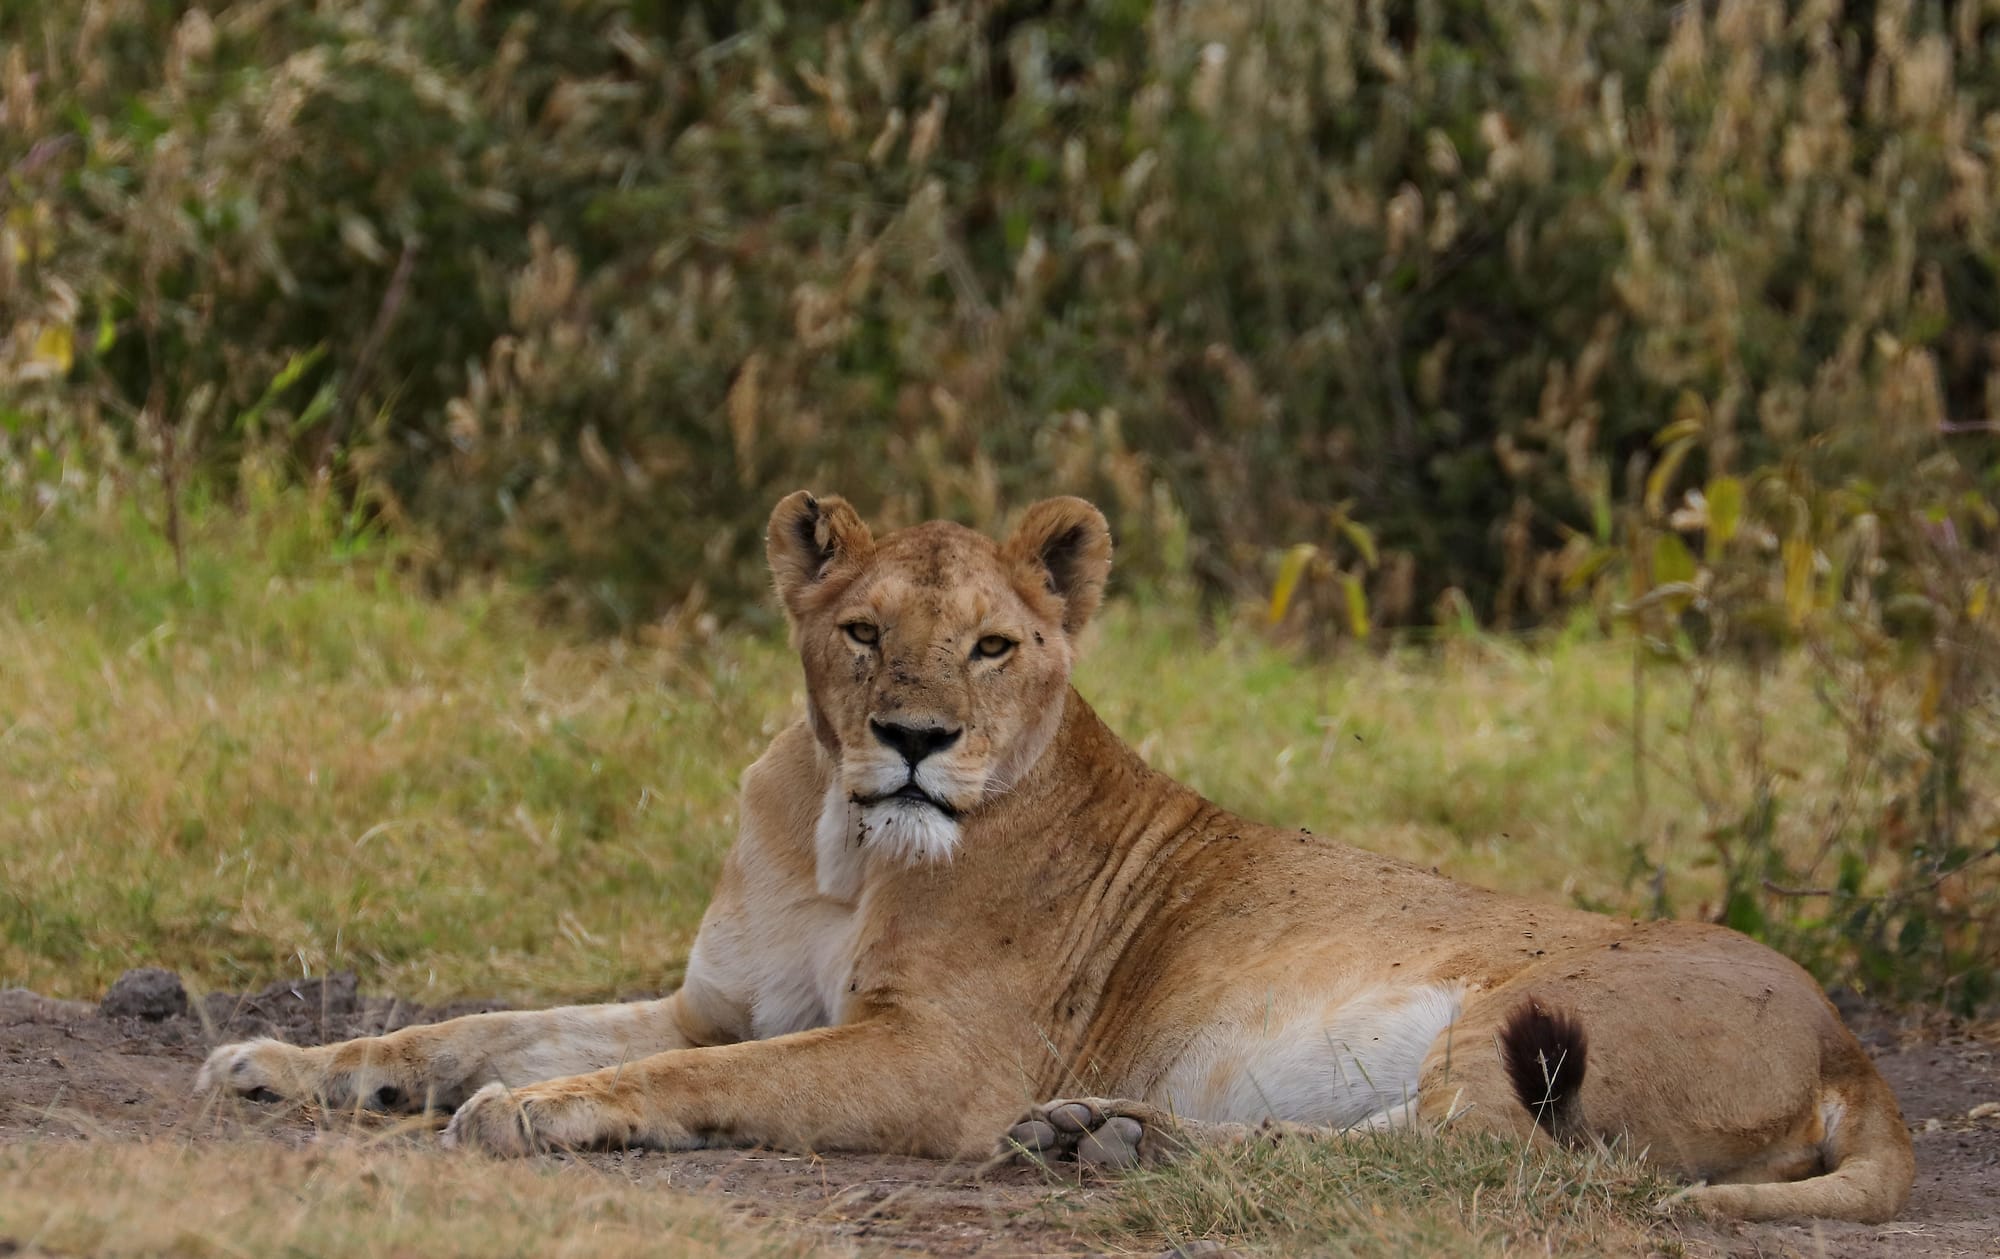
[(1867, 1153), (1546, 1053)]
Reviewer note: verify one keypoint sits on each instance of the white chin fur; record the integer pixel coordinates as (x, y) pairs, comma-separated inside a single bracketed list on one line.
[(908, 831), (904, 831)]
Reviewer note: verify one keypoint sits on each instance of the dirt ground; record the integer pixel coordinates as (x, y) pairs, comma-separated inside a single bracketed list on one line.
[(122, 1070)]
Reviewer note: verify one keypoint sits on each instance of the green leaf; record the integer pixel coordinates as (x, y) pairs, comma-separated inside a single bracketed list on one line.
[(1662, 476), (1851, 872), (1363, 540), (322, 402), (54, 348), (1671, 560), (1689, 422), (1725, 512), (1743, 913), (1290, 570), (1357, 605), (294, 367), (1594, 562), (287, 376)]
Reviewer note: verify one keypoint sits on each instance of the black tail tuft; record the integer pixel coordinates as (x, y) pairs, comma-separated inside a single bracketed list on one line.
[(1544, 1051)]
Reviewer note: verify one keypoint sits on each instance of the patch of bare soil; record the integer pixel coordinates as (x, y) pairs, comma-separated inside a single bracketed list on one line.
[(122, 1070)]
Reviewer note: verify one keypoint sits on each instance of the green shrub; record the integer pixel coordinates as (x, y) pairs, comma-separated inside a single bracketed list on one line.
[(580, 286), (1870, 855)]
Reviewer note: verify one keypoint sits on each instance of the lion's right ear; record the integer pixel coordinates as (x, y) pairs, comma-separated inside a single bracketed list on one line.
[(808, 538)]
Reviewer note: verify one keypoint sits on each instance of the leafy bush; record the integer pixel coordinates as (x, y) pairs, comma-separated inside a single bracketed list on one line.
[(1870, 856), (581, 285)]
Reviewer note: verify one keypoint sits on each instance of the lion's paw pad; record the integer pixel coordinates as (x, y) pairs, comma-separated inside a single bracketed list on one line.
[(1095, 1133)]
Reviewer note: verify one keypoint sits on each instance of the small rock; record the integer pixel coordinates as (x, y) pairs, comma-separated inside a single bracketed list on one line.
[(219, 1010), (146, 992), (1985, 1110), (1933, 1124), (334, 996)]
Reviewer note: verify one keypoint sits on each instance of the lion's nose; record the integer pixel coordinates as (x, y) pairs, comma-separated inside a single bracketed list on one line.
[(914, 742)]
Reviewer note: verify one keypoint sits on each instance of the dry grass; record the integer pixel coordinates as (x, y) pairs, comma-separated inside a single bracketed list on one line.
[(356, 1195), (1397, 1194), (342, 1198), (293, 763)]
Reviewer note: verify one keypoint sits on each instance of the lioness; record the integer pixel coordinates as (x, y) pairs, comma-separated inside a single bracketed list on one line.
[(960, 911)]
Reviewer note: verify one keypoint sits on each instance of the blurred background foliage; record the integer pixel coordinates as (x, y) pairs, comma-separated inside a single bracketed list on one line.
[(1435, 313)]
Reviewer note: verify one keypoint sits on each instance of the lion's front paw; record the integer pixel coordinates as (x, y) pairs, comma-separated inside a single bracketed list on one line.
[(263, 1070), (342, 1076), (1096, 1132), (494, 1121), (567, 1114)]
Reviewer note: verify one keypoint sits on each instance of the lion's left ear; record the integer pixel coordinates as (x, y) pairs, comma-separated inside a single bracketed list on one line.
[(1066, 542)]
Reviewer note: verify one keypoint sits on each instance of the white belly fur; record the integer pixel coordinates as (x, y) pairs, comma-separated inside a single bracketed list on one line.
[(1310, 1060)]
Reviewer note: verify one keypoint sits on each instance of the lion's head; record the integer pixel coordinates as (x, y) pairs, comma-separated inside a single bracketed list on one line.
[(936, 660)]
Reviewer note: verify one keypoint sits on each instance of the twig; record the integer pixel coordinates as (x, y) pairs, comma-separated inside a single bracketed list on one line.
[(1801, 893), (156, 407), (385, 317)]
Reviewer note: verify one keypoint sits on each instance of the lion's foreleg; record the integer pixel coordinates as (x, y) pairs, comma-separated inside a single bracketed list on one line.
[(880, 1086), (439, 1065)]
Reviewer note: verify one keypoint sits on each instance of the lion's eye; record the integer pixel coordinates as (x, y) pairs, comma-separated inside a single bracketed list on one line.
[(992, 647), (862, 632)]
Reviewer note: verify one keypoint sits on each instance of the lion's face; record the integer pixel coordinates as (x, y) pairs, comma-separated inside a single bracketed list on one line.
[(936, 660)]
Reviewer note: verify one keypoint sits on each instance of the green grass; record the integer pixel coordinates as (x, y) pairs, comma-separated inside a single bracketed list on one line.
[(292, 762)]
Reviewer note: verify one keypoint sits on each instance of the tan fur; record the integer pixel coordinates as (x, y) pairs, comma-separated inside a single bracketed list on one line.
[(886, 976)]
